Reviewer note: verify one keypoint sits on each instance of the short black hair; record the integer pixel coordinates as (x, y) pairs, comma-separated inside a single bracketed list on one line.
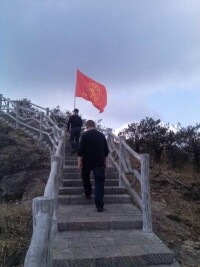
[(76, 110), (90, 123)]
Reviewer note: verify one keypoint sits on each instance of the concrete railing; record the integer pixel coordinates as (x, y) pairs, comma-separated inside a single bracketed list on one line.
[(124, 158), (44, 209), (33, 117)]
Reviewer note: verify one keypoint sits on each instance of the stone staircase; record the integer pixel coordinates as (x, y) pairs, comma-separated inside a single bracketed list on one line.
[(110, 238), (88, 238)]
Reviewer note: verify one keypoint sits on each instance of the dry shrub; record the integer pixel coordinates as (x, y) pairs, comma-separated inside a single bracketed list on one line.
[(15, 234)]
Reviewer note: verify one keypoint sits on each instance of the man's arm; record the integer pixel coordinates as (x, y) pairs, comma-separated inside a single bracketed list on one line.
[(81, 152), (106, 149), (80, 162)]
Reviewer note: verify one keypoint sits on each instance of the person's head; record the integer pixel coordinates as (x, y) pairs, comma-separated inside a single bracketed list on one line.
[(90, 124), (76, 111)]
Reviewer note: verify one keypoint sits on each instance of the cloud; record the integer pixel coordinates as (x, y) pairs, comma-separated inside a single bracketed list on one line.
[(137, 49)]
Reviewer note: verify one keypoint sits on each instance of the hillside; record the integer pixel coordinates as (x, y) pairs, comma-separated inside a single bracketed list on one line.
[(24, 169), (176, 211)]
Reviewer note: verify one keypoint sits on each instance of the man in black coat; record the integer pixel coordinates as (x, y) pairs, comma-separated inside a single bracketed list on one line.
[(74, 125), (92, 155)]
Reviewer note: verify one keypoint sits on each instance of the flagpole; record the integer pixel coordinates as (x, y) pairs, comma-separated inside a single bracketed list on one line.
[(75, 96), (74, 101)]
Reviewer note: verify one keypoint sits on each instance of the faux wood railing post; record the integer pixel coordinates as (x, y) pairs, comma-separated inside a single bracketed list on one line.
[(1, 101), (57, 184), (52, 187), (121, 156), (109, 164), (41, 121), (17, 116), (145, 189), (8, 105), (40, 250), (53, 183), (47, 111), (62, 152)]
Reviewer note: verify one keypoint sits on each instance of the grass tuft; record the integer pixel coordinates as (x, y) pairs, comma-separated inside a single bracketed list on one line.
[(15, 234)]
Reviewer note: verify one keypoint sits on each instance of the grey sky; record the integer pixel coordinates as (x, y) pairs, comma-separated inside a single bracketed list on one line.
[(146, 53)]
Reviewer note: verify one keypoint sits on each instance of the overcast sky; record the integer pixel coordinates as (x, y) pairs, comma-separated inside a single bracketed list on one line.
[(146, 53)]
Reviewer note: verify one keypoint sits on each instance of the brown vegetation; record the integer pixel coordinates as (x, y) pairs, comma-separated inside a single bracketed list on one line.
[(176, 211), (15, 232), (175, 183), (24, 169)]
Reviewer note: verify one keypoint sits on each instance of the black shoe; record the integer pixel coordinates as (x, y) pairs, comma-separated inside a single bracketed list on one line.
[(100, 209), (85, 196)]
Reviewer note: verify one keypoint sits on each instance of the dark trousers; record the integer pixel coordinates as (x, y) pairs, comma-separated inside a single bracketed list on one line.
[(74, 137), (99, 178)]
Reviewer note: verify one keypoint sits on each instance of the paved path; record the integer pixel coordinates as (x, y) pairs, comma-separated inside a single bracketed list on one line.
[(110, 238)]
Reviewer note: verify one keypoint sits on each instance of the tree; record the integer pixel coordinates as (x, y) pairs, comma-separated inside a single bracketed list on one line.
[(157, 137), (59, 116), (149, 136), (133, 136), (188, 138)]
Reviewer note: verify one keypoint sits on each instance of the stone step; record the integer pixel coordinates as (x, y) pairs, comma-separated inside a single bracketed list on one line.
[(79, 190), (78, 182), (71, 161), (71, 156), (127, 248), (85, 217), (79, 199), (108, 175), (75, 169)]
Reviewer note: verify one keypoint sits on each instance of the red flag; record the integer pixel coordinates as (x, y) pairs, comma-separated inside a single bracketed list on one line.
[(91, 91)]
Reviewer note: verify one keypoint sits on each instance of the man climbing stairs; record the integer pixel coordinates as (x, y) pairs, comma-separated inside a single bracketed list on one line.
[(113, 237)]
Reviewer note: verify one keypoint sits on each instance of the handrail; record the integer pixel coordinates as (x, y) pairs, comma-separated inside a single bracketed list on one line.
[(44, 208), (121, 155), (39, 252), (26, 115), (130, 150), (38, 106), (46, 224)]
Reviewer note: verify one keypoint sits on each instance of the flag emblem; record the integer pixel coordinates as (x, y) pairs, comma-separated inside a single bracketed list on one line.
[(94, 92)]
